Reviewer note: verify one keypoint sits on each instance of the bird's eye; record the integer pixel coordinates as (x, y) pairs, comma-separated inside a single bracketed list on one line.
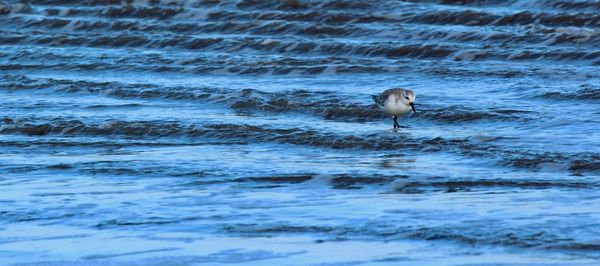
[(407, 98)]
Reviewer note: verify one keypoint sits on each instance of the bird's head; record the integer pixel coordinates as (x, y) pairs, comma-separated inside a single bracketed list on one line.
[(408, 97)]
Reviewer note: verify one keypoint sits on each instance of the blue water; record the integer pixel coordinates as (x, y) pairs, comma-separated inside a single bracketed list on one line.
[(244, 132)]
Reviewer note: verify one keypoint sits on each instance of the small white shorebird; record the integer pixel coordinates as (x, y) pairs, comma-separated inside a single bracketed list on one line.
[(396, 102)]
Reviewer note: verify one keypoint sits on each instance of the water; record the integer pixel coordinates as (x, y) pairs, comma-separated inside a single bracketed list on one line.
[(219, 132)]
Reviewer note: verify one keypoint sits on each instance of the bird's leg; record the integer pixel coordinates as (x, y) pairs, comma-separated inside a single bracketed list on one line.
[(396, 125)]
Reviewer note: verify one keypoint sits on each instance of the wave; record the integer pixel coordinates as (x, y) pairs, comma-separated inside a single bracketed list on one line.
[(586, 92), (531, 238), (471, 233), (574, 162), (167, 26), (482, 184), (295, 5), (328, 105), (361, 57), (479, 18), (455, 114), (16, 8), (180, 33), (548, 4), (142, 12), (338, 5)]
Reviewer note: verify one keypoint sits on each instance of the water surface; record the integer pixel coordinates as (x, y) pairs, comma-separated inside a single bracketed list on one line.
[(219, 132)]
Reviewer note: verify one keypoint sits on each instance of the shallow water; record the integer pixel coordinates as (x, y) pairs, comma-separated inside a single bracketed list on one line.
[(219, 132)]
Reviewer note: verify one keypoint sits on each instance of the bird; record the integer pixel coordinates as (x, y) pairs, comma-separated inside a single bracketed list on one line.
[(396, 102)]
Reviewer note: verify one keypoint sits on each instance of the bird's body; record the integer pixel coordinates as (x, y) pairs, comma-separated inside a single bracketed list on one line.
[(396, 102)]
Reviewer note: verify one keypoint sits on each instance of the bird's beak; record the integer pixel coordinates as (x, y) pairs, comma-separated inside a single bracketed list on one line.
[(413, 107)]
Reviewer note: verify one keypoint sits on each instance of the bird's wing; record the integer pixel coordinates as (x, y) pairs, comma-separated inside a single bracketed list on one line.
[(380, 99)]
